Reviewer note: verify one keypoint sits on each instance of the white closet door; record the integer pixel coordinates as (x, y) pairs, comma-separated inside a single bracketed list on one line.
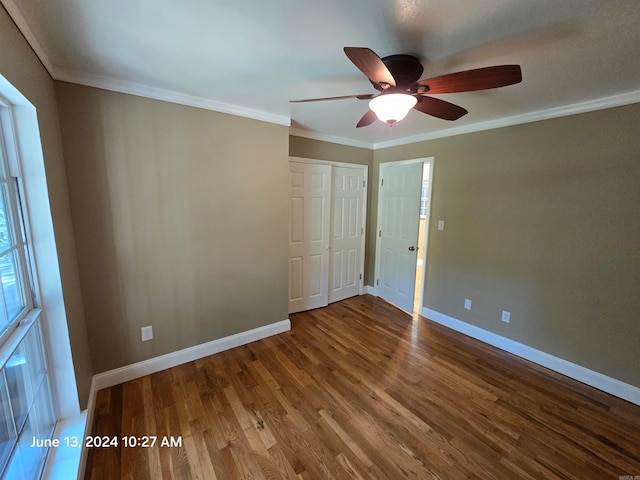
[(345, 266), (398, 232), (309, 238)]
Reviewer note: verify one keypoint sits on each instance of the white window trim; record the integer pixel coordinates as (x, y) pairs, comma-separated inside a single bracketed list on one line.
[(18, 334), (25, 144)]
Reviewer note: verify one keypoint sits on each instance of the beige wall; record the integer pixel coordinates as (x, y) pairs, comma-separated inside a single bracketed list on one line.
[(20, 66), (181, 219), (319, 150), (542, 220)]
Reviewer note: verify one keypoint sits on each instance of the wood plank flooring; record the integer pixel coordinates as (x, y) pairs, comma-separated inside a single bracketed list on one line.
[(361, 390)]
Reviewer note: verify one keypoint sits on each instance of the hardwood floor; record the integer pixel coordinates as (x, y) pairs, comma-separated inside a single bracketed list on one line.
[(361, 390)]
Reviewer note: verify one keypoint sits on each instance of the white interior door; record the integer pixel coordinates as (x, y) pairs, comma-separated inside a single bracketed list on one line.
[(346, 257), (309, 239), (398, 223)]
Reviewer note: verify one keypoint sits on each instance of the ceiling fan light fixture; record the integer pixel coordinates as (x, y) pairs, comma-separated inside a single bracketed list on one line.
[(392, 107)]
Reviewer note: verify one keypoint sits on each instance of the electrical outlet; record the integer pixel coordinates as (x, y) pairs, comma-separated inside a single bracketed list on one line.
[(467, 304), (440, 224), (147, 333), (506, 316)]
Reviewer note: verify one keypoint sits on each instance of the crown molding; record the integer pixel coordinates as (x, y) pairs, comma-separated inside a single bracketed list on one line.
[(562, 111), (619, 100), (171, 96), (21, 23), (208, 104), (132, 88), (297, 132)]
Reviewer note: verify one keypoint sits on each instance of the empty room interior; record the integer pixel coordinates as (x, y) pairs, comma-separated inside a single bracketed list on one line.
[(305, 240)]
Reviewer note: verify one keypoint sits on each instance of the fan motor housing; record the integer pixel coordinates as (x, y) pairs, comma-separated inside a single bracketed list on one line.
[(406, 70)]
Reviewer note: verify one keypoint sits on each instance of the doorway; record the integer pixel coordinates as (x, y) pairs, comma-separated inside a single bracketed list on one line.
[(403, 221), (423, 230)]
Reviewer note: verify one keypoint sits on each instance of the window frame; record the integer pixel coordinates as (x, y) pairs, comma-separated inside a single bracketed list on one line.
[(50, 256), (40, 397), (19, 225)]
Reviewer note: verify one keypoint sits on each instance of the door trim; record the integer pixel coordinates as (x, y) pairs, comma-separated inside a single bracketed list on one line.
[(365, 169), (425, 245), (374, 290)]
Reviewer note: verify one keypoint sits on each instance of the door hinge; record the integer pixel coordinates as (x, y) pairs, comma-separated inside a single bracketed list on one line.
[(382, 182), (380, 233), (378, 282), (360, 276), (361, 230), (364, 183)]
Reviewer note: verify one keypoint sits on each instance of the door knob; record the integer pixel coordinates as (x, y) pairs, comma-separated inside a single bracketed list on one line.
[(412, 249)]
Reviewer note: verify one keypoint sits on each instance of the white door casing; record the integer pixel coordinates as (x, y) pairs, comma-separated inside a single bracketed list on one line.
[(309, 237), (347, 232), (428, 169), (398, 223)]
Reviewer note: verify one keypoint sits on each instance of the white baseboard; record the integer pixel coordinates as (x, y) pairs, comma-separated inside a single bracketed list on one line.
[(371, 290), (572, 370), (157, 364)]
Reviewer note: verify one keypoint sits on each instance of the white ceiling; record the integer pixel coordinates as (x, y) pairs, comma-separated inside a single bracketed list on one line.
[(251, 57)]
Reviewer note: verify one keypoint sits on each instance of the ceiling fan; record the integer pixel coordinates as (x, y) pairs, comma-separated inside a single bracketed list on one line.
[(396, 77)]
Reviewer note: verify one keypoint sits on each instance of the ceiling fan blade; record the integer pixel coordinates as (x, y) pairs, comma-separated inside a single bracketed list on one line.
[(439, 108), (367, 119), (471, 80), (371, 65), (366, 96)]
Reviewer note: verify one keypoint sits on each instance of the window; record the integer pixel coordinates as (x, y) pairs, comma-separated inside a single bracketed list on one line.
[(424, 198), (26, 411), (12, 299)]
